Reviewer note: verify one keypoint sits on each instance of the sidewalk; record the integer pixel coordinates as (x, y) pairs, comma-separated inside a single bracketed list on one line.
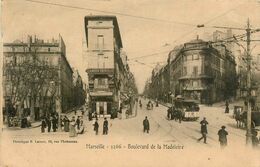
[(33, 125), (37, 124)]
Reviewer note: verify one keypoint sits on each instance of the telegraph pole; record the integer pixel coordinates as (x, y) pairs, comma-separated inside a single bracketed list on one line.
[(249, 109), (248, 87)]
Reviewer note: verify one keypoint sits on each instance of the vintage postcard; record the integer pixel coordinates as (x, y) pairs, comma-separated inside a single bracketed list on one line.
[(128, 83)]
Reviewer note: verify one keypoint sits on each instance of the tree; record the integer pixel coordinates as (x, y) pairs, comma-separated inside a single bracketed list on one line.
[(29, 76)]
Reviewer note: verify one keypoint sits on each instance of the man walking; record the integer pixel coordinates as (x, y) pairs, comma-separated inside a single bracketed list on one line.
[(96, 126), (48, 121), (203, 130), (105, 127), (146, 125), (54, 123), (227, 107), (43, 125), (222, 133), (78, 122)]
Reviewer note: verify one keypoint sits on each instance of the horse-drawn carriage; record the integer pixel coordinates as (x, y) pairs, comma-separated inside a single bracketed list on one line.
[(241, 117)]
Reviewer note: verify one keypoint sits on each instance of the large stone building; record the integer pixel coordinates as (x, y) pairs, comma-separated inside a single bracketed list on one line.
[(36, 74), (197, 70), (107, 70)]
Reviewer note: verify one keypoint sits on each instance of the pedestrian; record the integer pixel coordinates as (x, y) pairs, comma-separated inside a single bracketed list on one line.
[(105, 127), (72, 129), (96, 115), (43, 125), (78, 122), (127, 114), (227, 107), (146, 125), (28, 120), (203, 130), (254, 138), (96, 126), (222, 133), (169, 113), (120, 112), (82, 128), (82, 112), (90, 116), (66, 123), (48, 121), (54, 123)]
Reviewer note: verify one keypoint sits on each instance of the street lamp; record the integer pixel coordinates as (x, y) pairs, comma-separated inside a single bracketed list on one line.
[(57, 101)]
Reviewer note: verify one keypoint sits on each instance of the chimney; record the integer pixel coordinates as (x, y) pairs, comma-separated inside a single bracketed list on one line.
[(197, 37)]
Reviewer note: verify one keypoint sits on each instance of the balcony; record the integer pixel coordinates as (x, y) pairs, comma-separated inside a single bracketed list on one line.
[(101, 71)]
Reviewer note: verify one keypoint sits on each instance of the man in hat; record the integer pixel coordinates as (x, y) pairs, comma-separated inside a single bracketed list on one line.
[(222, 133), (146, 125), (105, 127), (96, 125), (204, 130)]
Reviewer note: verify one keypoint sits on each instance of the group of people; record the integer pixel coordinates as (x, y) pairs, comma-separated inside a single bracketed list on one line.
[(49, 122), (105, 126), (174, 114), (222, 133), (76, 126)]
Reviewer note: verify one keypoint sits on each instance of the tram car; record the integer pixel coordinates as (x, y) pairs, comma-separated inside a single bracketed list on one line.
[(189, 108)]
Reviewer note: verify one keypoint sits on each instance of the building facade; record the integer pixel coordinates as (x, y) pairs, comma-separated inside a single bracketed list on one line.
[(36, 74), (107, 70), (197, 70)]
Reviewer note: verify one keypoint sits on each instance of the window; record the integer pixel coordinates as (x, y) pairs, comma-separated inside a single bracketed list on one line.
[(184, 71), (195, 70), (100, 42), (185, 58), (101, 83), (49, 49), (195, 83), (195, 57), (189, 57)]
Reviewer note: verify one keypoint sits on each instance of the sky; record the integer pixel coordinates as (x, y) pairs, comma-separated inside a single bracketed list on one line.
[(147, 27)]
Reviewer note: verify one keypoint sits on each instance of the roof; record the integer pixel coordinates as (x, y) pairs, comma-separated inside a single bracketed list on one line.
[(105, 17)]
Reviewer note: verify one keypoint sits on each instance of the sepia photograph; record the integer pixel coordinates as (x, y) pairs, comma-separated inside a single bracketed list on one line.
[(128, 83)]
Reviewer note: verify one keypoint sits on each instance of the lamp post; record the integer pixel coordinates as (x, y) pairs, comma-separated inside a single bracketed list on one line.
[(57, 101)]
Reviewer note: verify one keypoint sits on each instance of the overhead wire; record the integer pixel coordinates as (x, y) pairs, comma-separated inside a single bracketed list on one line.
[(110, 12), (139, 17)]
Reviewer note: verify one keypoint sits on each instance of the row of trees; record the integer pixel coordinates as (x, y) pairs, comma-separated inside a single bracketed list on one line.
[(29, 83)]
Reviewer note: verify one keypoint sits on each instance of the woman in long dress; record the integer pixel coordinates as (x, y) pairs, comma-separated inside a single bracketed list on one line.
[(72, 130), (66, 124)]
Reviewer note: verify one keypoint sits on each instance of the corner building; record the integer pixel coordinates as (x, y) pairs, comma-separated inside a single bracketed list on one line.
[(104, 45), (202, 71)]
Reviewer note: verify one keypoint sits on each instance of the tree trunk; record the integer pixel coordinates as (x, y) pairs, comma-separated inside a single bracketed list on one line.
[(32, 113)]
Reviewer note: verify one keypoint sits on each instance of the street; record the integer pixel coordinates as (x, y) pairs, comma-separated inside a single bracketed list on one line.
[(162, 130), (178, 141)]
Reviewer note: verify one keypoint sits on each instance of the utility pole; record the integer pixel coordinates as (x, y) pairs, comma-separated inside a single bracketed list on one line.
[(248, 130), (248, 61)]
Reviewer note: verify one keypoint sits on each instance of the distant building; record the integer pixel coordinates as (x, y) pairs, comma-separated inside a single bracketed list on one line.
[(197, 70), (49, 55), (107, 71)]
